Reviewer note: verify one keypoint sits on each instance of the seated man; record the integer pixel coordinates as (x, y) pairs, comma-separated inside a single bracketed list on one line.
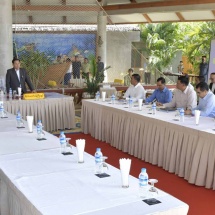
[(212, 84), (127, 78), (162, 94), (184, 96), (206, 101), (136, 90)]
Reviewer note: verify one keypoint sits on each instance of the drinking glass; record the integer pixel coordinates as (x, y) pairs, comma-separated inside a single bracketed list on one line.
[(152, 190)]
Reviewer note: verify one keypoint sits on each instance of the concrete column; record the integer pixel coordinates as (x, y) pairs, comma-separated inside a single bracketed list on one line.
[(101, 41), (6, 36)]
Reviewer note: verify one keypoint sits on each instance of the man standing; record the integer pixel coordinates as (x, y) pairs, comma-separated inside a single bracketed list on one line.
[(162, 94), (100, 67), (127, 78), (85, 67), (17, 77), (212, 84), (147, 72), (181, 68), (203, 67), (184, 96), (76, 67), (206, 101), (136, 90)]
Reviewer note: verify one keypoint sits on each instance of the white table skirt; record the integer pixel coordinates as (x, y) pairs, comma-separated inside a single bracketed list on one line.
[(36, 179), (55, 111), (181, 148)]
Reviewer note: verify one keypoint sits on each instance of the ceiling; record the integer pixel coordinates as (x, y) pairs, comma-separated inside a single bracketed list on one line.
[(118, 11)]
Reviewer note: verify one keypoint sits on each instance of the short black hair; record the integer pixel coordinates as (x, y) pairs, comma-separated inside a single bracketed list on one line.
[(15, 59), (181, 61), (213, 73), (202, 78), (68, 60), (131, 70), (204, 56), (202, 86), (162, 80), (58, 56), (136, 77), (184, 80), (85, 58)]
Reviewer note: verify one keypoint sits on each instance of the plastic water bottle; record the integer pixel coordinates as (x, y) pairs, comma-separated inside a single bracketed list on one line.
[(181, 114), (62, 138), (154, 108), (98, 161), (130, 102), (10, 93), (1, 109), (143, 183), (39, 129), (113, 98), (18, 119), (97, 96)]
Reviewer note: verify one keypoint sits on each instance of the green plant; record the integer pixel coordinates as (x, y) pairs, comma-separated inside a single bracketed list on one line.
[(36, 63), (95, 78)]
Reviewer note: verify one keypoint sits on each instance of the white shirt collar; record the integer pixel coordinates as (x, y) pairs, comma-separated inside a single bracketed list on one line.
[(137, 85)]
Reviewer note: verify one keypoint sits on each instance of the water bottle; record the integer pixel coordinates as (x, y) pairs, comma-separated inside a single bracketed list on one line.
[(18, 119), (154, 108), (10, 93), (181, 114), (1, 109), (98, 161), (39, 129), (97, 96), (113, 98), (130, 102), (143, 183), (62, 138)]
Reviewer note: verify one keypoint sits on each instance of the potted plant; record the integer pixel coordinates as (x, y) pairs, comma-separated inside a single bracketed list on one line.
[(94, 79)]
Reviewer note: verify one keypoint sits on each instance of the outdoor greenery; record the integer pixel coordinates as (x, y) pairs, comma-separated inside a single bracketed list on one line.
[(164, 40), (95, 78), (36, 63)]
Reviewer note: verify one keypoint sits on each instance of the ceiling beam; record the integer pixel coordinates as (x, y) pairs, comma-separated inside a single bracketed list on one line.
[(180, 16), (55, 8), (147, 18), (165, 3)]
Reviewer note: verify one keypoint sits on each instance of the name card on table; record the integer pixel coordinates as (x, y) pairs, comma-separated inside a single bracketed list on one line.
[(33, 96)]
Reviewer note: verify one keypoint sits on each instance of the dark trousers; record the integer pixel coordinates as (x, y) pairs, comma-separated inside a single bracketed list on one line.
[(147, 76), (67, 77), (76, 75)]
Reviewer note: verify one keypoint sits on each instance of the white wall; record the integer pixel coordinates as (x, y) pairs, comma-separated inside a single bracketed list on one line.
[(119, 53)]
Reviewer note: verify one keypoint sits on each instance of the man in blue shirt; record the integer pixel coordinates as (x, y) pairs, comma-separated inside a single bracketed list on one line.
[(162, 94), (206, 101)]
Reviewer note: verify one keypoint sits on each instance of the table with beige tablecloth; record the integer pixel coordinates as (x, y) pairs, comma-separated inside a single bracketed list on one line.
[(56, 111), (181, 148), (109, 91)]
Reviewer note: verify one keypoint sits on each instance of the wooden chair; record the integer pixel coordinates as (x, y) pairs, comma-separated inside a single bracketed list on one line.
[(54, 73)]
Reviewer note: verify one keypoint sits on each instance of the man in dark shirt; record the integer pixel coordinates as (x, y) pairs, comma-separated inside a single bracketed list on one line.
[(100, 67), (203, 67), (212, 84), (76, 67)]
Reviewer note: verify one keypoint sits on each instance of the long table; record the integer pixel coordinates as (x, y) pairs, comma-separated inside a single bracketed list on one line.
[(181, 148), (56, 111), (36, 179)]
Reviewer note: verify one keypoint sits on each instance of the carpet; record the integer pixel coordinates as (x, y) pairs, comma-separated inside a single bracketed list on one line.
[(200, 200)]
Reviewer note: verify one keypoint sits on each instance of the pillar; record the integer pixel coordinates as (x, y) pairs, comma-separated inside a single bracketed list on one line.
[(101, 41), (6, 36)]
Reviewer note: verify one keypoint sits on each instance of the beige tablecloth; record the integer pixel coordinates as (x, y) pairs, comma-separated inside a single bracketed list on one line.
[(55, 111), (181, 148)]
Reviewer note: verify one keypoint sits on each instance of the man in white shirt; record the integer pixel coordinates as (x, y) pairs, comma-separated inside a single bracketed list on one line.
[(136, 90), (184, 96), (212, 84)]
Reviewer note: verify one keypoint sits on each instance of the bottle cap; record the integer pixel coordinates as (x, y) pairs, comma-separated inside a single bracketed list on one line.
[(143, 170), (39, 120), (62, 132), (98, 149)]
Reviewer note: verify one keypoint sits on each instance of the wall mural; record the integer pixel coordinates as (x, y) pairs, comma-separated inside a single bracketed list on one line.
[(54, 45)]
